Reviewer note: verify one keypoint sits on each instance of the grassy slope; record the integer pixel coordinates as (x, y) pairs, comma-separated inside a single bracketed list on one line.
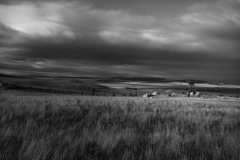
[(72, 127), (91, 85), (59, 85)]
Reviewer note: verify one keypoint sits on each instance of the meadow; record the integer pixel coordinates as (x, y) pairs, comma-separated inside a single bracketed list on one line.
[(118, 128)]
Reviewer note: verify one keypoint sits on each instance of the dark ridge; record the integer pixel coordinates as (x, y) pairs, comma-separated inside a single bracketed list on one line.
[(11, 76)]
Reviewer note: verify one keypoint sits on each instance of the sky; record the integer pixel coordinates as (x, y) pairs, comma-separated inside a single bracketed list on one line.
[(177, 39)]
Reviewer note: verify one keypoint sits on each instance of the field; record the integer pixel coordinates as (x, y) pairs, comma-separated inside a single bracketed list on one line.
[(115, 86), (70, 127)]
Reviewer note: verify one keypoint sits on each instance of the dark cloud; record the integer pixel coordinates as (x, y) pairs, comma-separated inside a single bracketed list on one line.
[(228, 33), (78, 37), (98, 52), (6, 34), (95, 49)]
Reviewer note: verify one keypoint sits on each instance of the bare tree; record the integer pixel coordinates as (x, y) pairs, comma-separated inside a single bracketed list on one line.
[(191, 87)]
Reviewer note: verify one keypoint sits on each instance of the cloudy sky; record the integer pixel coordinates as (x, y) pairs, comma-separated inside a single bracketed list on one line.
[(179, 39)]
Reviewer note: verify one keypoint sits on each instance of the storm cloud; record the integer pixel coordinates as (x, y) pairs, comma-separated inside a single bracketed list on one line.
[(86, 38)]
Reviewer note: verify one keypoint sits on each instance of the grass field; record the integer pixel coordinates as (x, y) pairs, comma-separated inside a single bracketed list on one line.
[(74, 127)]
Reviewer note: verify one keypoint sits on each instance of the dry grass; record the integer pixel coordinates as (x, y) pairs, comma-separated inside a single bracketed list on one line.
[(71, 128)]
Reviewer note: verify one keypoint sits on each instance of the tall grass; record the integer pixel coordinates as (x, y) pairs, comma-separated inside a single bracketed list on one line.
[(71, 128)]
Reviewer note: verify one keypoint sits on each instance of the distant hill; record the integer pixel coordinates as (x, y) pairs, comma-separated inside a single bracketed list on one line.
[(134, 79), (10, 76)]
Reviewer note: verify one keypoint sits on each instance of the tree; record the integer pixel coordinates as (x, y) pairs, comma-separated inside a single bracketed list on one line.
[(191, 86), (93, 92)]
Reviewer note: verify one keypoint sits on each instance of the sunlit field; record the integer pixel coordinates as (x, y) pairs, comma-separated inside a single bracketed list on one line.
[(88, 127)]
